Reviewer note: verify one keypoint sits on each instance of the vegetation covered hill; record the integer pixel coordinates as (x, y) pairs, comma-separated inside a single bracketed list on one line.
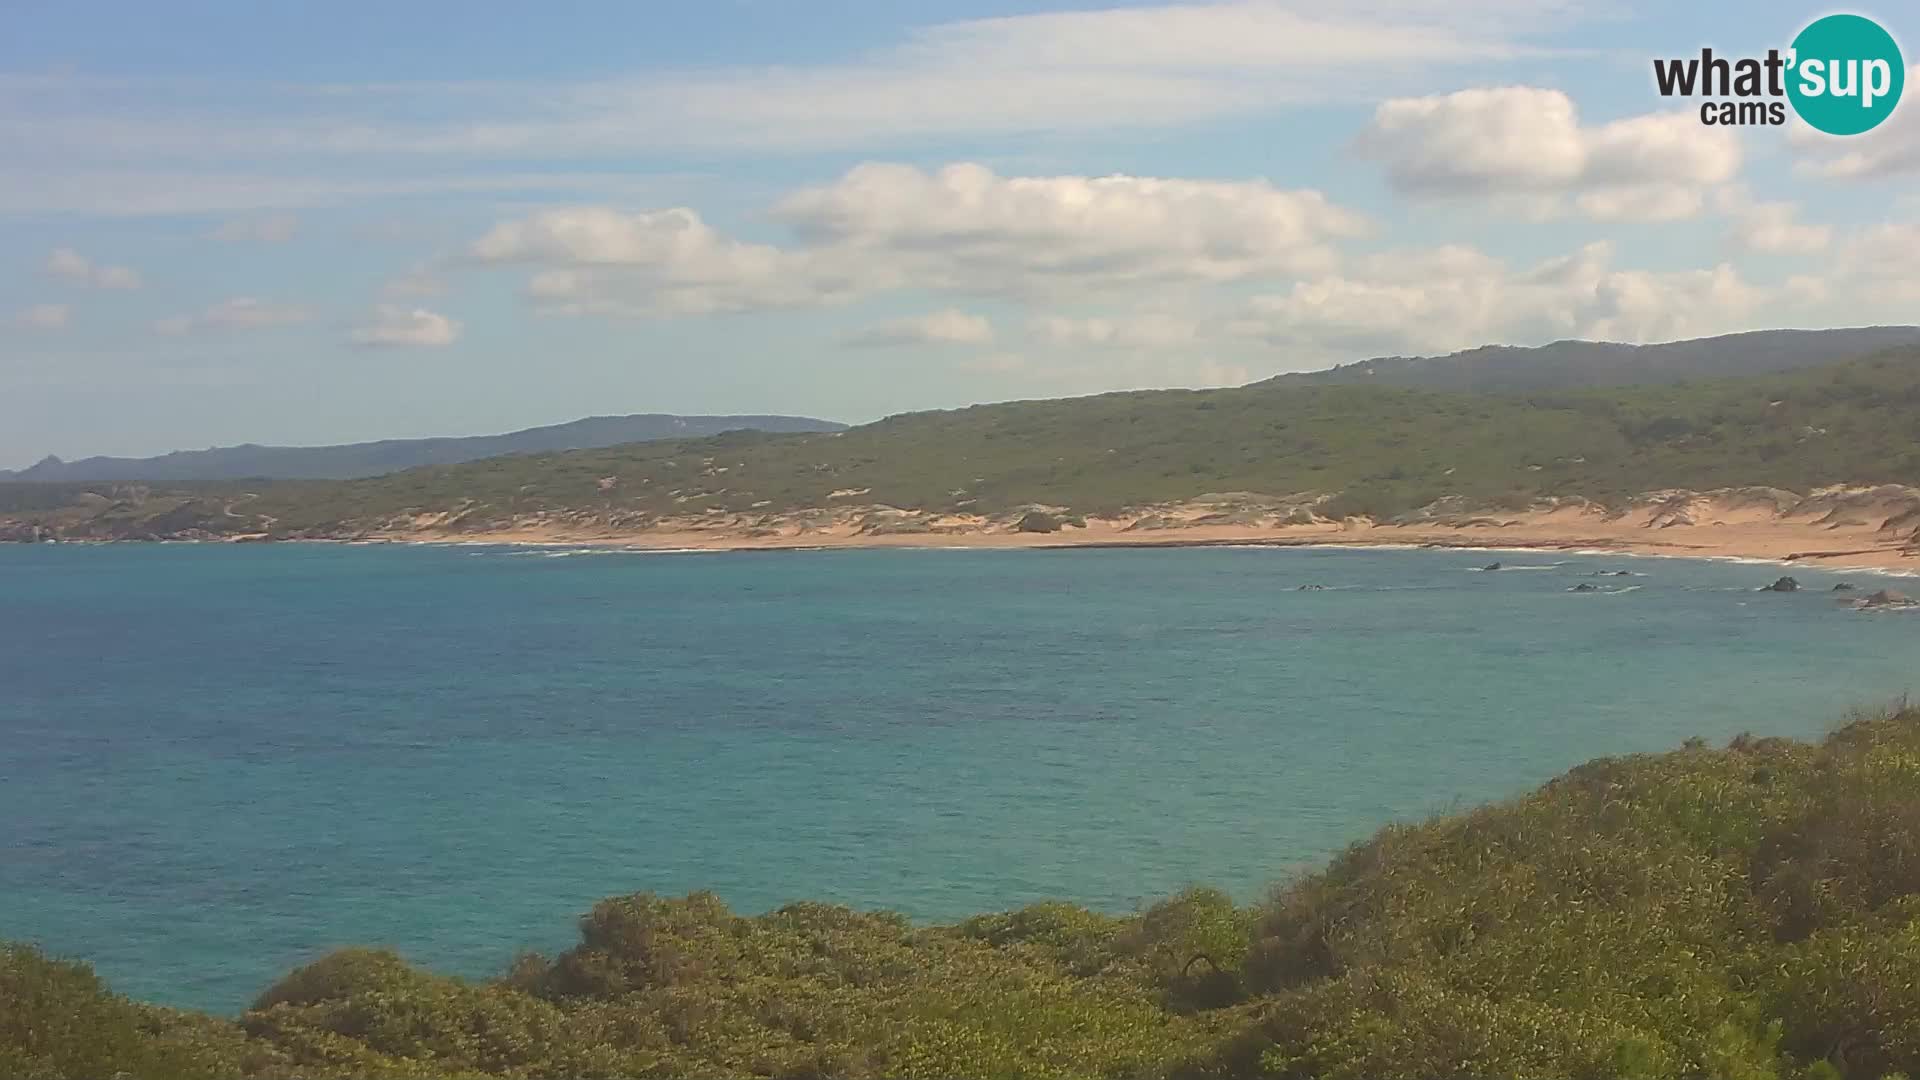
[(1574, 365), (1563, 365), (1749, 912), (1384, 451), (392, 455)]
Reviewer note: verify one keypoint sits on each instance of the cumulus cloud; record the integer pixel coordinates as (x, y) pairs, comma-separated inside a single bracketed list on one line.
[(1131, 241), (391, 327), (44, 317), (1642, 202), (961, 229), (69, 265), (965, 227), (1641, 305), (1892, 149), (1511, 138), (950, 326), (1770, 228), (239, 313), (1529, 141), (1880, 266), (605, 261), (265, 229), (1453, 298)]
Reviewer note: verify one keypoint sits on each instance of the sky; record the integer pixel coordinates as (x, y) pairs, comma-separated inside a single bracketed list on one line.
[(298, 224)]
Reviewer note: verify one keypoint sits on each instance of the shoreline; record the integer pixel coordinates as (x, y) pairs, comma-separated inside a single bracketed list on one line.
[(1838, 528), (1775, 544)]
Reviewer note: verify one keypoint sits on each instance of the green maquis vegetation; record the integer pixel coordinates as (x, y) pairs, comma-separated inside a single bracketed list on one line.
[(1386, 450), (1740, 913), (1381, 450)]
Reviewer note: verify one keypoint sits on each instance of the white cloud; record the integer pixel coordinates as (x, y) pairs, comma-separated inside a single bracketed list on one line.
[(238, 313), (399, 327), (605, 261), (1079, 372), (1204, 372), (1511, 138), (1107, 69), (265, 229), (1130, 242), (1112, 68), (1453, 298), (1151, 331), (1659, 148), (966, 228), (1640, 305), (44, 317), (1770, 228), (1528, 141), (1879, 266), (69, 265), (962, 229), (950, 326), (1892, 149), (1254, 35), (1642, 202)]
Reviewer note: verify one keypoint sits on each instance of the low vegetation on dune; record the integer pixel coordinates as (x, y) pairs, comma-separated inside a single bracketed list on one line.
[(1745, 912)]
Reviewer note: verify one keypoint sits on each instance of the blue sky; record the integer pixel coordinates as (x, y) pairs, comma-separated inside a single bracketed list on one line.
[(233, 222)]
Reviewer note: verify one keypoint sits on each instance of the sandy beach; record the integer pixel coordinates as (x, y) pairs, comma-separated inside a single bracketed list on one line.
[(1855, 528)]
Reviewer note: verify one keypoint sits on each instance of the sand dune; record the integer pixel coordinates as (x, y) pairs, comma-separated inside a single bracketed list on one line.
[(1842, 527)]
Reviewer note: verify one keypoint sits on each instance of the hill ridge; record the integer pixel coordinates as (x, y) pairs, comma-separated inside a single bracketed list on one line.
[(344, 461), (1574, 363)]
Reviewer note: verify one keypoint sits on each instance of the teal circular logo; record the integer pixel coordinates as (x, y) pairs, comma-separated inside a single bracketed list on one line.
[(1846, 74)]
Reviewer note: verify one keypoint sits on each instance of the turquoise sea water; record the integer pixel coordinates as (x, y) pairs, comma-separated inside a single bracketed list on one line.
[(217, 762)]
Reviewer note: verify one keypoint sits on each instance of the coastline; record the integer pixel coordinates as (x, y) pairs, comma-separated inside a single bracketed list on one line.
[(1775, 542), (1845, 528)]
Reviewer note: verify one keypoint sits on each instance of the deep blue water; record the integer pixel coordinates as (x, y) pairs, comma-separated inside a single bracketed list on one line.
[(217, 762)]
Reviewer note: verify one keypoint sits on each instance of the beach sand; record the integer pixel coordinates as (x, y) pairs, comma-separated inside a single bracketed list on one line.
[(1853, 529)]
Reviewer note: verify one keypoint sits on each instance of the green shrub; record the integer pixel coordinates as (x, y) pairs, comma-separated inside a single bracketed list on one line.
[(1750, 913), (58, 1020)]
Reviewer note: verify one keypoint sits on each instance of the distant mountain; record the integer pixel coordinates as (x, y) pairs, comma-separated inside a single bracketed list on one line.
[(1572, 365), (392, 455)]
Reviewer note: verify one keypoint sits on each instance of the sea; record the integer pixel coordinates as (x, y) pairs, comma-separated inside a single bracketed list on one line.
[(218, 762)]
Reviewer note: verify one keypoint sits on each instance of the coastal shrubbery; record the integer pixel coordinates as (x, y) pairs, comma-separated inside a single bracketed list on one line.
[(1745, 912), (58, 1020), (1382, 451), (1038, 521)]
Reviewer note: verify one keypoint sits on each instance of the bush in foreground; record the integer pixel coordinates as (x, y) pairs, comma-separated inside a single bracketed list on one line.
[(1750, 912)]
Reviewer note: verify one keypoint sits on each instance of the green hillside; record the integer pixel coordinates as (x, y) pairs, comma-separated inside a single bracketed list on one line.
[(392, 455), (1385, 450), (1750, 912), (1569, 365), (1389, 449)]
